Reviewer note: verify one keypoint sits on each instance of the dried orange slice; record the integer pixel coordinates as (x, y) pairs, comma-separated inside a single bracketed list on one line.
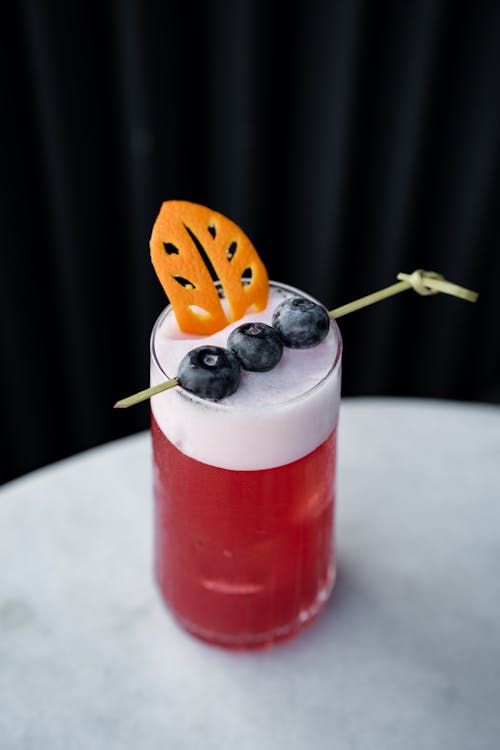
[(182, 234)]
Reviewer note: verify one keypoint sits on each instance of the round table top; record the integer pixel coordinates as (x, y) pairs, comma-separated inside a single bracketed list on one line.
[(405, 655)]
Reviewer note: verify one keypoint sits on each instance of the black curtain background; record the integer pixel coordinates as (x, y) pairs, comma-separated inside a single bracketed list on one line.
[(351, 140)]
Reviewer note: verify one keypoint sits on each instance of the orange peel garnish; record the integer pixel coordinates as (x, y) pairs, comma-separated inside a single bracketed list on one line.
[(179, 231)]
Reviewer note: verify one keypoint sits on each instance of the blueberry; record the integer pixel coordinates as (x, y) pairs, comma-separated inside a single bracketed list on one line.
[(210, 372), (258, 346), (301, 322)]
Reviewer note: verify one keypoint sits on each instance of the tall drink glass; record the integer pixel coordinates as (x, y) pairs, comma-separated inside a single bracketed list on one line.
[(244, 496)]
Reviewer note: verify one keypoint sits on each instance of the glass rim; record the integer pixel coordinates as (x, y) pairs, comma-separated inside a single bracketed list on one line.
[(217, 405)]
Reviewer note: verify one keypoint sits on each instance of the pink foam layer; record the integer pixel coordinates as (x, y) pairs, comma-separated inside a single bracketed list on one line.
[(274, 418)]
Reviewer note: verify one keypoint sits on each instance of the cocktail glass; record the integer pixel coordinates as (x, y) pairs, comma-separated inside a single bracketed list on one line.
[(244, 556)]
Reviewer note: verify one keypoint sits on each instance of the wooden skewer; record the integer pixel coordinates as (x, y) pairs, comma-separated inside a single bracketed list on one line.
[(422, 282)]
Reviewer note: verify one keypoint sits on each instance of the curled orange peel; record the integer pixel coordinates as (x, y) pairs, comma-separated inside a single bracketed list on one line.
[(182, 233)]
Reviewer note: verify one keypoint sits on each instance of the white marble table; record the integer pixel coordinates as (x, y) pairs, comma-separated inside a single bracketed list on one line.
[(406, 655)]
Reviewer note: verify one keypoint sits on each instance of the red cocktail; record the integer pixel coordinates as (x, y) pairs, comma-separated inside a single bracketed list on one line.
[(243, 557), (245, 394), (244, 550)]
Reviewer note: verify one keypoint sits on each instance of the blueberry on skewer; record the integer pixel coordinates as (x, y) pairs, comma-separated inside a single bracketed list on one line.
[(210, 372), (258, 346), (301, 322)]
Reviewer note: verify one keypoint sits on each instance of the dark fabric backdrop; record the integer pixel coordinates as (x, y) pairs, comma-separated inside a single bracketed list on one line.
[(351, 141)]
